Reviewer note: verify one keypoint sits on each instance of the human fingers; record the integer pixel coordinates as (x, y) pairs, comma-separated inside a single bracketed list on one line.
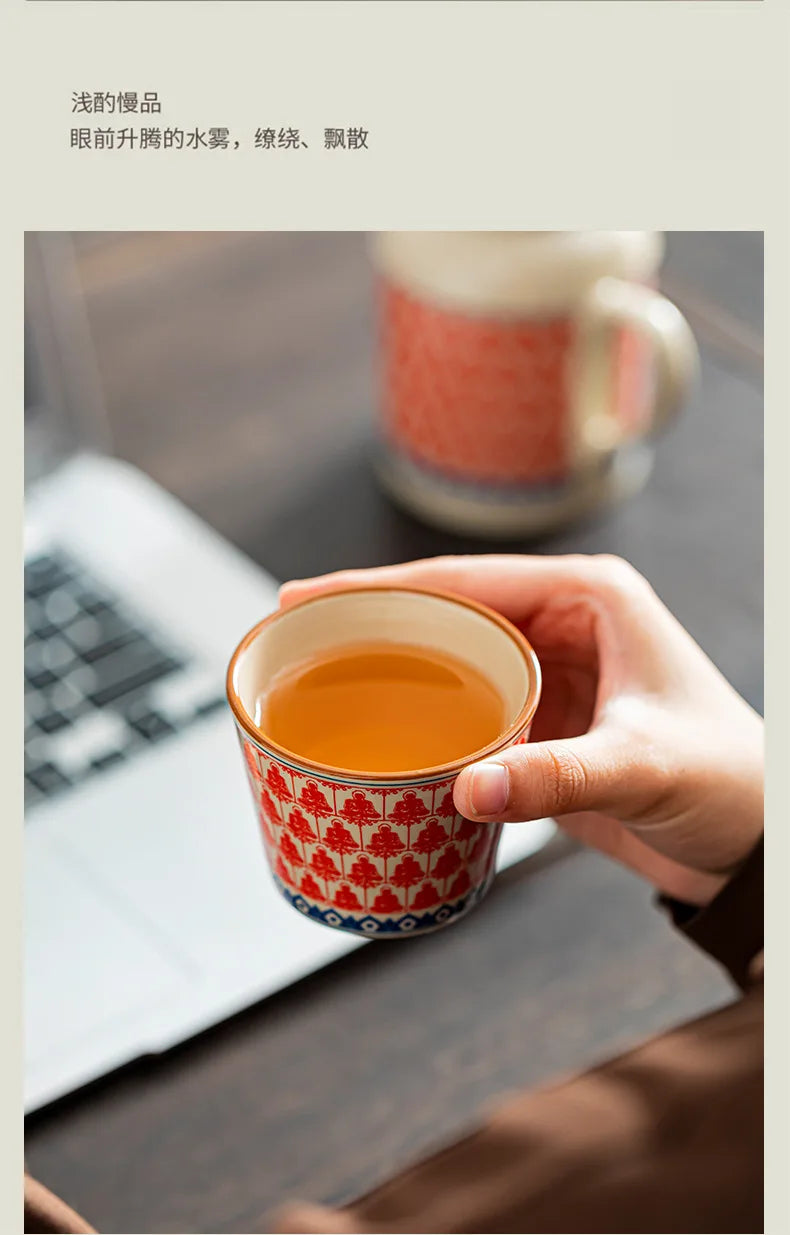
[(594, 772), (513, 584)]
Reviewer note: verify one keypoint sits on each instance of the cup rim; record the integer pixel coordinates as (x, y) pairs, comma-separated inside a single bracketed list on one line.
[(524, 717)]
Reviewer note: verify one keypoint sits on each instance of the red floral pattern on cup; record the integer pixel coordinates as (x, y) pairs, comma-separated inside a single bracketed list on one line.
[(487, 399), (376, 851)]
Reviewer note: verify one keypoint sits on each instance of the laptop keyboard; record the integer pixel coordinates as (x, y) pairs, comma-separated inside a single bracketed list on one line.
[(99, 686)]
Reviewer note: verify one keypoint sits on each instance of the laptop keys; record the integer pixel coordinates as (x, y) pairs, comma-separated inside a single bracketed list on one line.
[(43, 574), (57, 655), (60, 607), (135, 666), (52, 722), (97, 635), (109, 760), (65, 697), (47, 779), (150, 725), (99, 686), (40, 678), (91, 601)]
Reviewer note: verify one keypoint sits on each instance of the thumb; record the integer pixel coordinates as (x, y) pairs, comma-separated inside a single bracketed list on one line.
[(531, 781)]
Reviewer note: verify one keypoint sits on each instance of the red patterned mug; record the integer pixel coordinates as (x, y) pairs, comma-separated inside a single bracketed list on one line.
[(382, 856), (523, 372)]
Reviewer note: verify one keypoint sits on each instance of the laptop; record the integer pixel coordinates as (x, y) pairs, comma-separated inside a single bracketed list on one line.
[(149, 912)]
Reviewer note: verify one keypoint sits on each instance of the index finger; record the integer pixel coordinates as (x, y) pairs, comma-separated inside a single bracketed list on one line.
[(513, 584)]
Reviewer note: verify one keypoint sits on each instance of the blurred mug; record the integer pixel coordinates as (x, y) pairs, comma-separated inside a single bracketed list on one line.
[(525, 374)]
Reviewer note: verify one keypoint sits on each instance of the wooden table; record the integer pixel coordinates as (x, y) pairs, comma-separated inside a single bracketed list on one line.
[(238, 371)]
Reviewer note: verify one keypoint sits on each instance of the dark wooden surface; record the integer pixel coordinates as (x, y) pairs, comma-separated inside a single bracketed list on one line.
[(239, 371)]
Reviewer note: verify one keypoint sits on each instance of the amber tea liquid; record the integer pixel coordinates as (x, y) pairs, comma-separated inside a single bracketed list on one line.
[(382, 707)]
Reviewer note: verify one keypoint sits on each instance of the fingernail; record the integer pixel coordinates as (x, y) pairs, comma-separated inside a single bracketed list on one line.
[(489, 788)]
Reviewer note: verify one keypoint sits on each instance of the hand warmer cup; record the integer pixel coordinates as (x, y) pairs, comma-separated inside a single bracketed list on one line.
[(381, 855)]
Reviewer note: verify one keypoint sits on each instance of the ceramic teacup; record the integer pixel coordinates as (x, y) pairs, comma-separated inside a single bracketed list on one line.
[(380, 855)]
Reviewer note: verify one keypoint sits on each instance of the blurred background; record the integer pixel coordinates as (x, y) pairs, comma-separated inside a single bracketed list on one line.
[(240, 371)]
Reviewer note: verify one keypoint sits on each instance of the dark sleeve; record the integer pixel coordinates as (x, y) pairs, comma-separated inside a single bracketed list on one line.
[(665, 1138), (730, 928)]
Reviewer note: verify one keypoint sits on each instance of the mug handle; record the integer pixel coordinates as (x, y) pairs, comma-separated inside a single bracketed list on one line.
[(609, 305)]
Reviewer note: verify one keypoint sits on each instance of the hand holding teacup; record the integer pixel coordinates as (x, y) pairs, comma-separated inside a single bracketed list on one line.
[(356, 711), (639, 747)]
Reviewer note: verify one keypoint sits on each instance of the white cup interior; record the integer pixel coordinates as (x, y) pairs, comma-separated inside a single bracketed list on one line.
[(333, 621)]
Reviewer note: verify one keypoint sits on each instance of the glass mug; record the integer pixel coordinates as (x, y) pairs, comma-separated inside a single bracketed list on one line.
[(524, 374)]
